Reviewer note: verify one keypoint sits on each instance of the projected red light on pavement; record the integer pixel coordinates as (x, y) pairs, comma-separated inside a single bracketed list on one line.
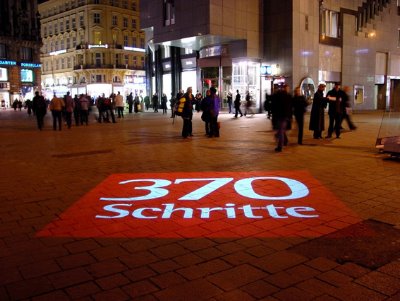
[(205, 204)]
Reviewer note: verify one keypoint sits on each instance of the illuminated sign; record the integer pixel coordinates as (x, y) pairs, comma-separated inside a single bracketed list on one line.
[(58, 52), (213, 204), (8, 63), (134, 49), (266, 70), (31, 65), (98, 46)]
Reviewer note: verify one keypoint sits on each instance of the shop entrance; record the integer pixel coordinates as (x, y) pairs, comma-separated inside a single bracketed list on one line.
[(380, 93), (395, 95)]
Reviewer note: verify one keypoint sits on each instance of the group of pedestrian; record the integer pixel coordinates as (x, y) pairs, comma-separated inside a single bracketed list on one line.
[(283, 106), (338, 103)]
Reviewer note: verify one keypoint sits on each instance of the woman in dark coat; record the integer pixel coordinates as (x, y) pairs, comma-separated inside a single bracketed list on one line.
[(317, 118)]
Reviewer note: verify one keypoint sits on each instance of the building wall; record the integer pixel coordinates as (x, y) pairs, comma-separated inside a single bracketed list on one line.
[(73, 36), (20, 49)]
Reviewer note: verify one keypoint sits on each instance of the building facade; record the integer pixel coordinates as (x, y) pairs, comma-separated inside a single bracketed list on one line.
[(92, 47), (19, 50), (257, 45)]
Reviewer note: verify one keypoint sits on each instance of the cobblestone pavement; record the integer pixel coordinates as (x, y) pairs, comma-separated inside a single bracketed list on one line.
[(44, 173)]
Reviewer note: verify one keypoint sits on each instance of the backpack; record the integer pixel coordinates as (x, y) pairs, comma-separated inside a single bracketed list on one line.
[(179, 105)]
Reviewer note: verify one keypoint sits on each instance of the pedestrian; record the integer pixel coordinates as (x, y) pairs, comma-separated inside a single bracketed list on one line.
[(237, 104), (77, 110), (317, 117), (299, 108), (205, 107), (172, 102), (334, 98), (214, 112), (39, 108), (229, 101), (187, 113), (164, 101), (347, 108), (282, 111), (154, 101), (28, 104), (267, 105), (129, 100), (249, 104), (119, 103), (84, 105), (69, 109), (56, 107), (15, 104), (136, 103)]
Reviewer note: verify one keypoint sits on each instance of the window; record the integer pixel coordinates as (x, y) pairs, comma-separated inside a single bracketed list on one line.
[(169, 12), (68, 43), (125, 22), (142, 62), (141, 42), (69, 65), (26, 54), (96, 1), (125, 40), (56, 28), (81, 21), (62, 44), (114, 20), (44, 31), (99, 78), (73, 22), (98, 59), (134, 7), (124, 4), (330, 24), (133, 41), (126, 59), (116, 59), (62, 64), (73, 41), (96, 18), (61, 26), (67, 25), (3, 51), (133, 23), (56, 45), (50, 29), (135, 61), (81, 2)]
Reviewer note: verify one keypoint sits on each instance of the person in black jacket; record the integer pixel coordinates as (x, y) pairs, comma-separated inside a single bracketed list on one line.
[(187, 113), (299, 108), (237, 104), (317, 117), (282, 113), (335, 110)]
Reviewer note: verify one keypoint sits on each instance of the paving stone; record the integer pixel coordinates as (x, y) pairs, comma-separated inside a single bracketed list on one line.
[(69, 277), (29, 288), (116, 280), (278, 261), (291, 276), (322, 264), (293, 293), (198, 290), (107, 267), (229, 279), (39, 269), (82, 290), (165, 266), (168, 279), (351, 269), (140, 288), (235, 295), (335, 278), (392, 269), (140, 273), (355, 292), (115, 295), (380, 282), (260, 289), (204, 269), (56, 295), (75, 260)]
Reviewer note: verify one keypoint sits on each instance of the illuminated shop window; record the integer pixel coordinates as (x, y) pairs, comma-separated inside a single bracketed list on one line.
[(26, 76), (3, 74)]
